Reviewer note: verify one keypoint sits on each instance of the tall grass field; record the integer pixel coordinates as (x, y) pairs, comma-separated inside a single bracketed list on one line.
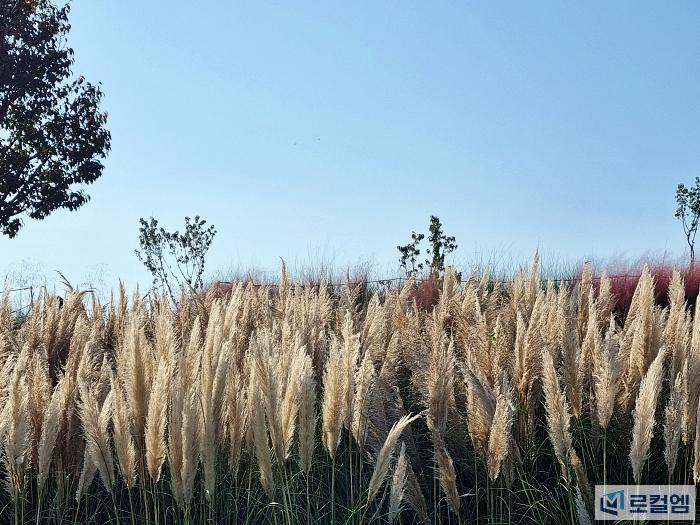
[(498, 402)]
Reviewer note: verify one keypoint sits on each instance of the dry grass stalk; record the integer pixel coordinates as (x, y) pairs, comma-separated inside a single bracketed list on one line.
[(440, 387), (191, 439), (386, 453), (558, 415), (270, 370), (644, 415), (532, 347), (15, 421), (95, 420), (178, 395), (350, 352), (640, 350), (589, 349), (672, 424), (473, 333), (570, 355), (606, 375), (156, 421), (533, 284), (87, 475), (676, 329), (123, 439), (307, 419), (414, 495), (605, 301), (500, 433), (481, 406), (40, 390), (448, 477), (51, 426), (258, 428), (398, 485), (585, 293), (373, 336), (366, 375), (216, 362), (134, 374), (584, 518), (299, 369), (502, 352), (236, 418), (582, 483), (333, 399)]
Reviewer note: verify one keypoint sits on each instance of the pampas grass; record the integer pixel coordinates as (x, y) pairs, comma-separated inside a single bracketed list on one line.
[(398, 485), (366, 375), (191, 439), (414, 495), (386, 453), (672, 424), (558, 413), (448, 477), (259, 430), (644, 415), (236, 418), (606, 375), (500, 431), (15, 427), (123, 439), (95, 420), (307, 419), (211, 409), (333, 399), (51, 426), (156, 421)]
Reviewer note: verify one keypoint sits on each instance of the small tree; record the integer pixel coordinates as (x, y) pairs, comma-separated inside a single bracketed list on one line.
[(440, 246), (409, 254), (688, 212), (175, 260), (52, 131)]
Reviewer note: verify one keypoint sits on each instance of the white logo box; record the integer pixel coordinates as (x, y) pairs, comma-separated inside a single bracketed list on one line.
[(645, 502)]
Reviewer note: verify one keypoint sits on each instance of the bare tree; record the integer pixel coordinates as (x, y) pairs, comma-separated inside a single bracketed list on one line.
[(688, 212)]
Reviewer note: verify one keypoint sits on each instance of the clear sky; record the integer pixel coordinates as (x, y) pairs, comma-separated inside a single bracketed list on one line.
[(330, 130)]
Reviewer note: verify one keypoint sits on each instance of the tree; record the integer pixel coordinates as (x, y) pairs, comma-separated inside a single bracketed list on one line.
[(688, 212), (52, 133), (409, 254), (175, 260), (440, 246)]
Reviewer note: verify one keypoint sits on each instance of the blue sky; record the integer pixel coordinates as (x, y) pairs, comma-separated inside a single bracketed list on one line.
[(330, 130)]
